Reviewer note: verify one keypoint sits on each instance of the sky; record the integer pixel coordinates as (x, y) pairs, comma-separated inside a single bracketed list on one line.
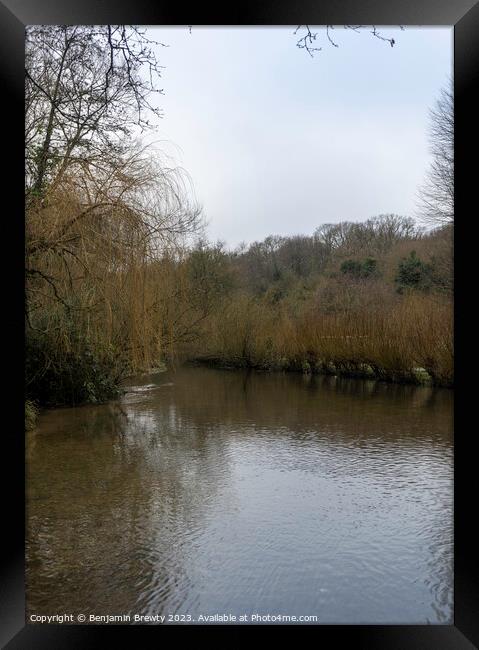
[(278, 142)]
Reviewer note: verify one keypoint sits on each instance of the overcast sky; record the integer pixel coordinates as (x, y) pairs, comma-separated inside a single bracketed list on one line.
[(277, 142)]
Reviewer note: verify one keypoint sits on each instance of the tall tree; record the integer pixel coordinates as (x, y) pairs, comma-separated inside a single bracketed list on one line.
[(88, 94), (100, 208), (84, 92), (436, 196)]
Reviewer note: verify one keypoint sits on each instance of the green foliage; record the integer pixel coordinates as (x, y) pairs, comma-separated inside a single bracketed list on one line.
[(369, 267), (75, 377), (414, 273), (356, 269), (351, 267)]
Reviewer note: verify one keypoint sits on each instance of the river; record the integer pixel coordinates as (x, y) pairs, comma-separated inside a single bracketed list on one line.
[(207, 491)]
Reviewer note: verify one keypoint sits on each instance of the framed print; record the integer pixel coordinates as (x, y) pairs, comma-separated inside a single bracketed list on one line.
[(243, 305)]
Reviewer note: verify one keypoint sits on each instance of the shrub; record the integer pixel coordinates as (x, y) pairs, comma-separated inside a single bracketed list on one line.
[(414, 273), (356, 269), (55, 377), (369, 267), (351, 267)]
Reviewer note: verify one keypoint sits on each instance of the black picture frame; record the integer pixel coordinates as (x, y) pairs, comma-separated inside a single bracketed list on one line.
[(14, 15)]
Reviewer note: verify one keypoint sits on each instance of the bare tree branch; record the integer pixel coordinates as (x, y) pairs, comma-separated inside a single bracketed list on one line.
[(308, 41), (436, 195)]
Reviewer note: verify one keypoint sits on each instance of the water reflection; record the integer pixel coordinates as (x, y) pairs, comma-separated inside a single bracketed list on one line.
[(206, 491)]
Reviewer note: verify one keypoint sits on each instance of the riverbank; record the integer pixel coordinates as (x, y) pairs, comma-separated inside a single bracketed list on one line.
[(351, 369), (348, 369), (34, 408), (407, 340)]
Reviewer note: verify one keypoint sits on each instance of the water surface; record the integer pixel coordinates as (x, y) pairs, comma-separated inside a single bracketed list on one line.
[(226, 492)]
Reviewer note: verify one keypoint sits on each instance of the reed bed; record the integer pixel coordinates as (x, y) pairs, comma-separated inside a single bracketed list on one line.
[(410, 340)]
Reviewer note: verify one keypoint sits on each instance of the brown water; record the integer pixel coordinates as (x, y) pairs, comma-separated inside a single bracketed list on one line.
[(225, 492)]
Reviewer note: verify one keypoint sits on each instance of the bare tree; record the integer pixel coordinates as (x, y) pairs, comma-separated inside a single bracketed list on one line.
[(88, 93), (85, 90), (101, 209), (309, 39), (436, 196)]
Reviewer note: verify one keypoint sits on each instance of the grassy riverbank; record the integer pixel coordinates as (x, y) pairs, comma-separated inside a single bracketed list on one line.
[(411, 341), (382, 309)]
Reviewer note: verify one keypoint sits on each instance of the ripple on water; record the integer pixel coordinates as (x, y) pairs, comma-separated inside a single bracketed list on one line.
[(206, 492)]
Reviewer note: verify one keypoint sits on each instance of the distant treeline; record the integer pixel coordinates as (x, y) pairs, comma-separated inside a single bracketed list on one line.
[(364, 299)]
